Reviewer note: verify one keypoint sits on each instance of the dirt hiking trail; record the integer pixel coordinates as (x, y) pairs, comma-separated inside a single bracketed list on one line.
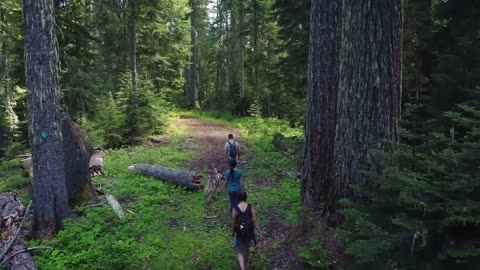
[(280, 243), (208, 140)]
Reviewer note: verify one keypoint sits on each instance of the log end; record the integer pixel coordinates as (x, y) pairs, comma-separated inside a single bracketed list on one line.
[(131, 168)]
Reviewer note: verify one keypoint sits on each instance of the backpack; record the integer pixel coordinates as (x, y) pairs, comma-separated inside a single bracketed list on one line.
[(244, 226), (232, 150)]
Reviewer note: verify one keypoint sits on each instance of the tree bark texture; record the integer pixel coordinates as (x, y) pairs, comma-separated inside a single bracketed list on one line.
[(318, 175), (192, 68), (187, 179), (241, 19), (45, 124), (12, 214), (369, 89), (133, 59), (77, 173)]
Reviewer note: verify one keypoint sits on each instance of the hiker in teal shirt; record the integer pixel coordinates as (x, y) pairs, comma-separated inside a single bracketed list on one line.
[(234, 182)]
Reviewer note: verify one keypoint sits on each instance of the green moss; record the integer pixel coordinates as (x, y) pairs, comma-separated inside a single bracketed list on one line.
[(164, 226)]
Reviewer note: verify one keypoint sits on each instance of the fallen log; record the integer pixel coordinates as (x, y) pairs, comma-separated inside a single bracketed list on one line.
[(27, 163), (116, 206), (96, 162), (183, 178), (13, 215)]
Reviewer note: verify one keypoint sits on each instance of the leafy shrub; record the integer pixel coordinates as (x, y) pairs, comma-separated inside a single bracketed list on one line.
[(153, 109), (315, 255)]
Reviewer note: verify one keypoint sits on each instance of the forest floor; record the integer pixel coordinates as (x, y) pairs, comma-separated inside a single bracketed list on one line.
[(282, 241), (165, 226)]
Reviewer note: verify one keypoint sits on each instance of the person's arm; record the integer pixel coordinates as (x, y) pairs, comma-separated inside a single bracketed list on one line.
[(242, 180), (238, 151), (241, 183), (255, 222), (234, 220)]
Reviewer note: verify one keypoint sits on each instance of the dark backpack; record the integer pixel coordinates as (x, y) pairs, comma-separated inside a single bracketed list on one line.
[(232, 150), (244, 226)]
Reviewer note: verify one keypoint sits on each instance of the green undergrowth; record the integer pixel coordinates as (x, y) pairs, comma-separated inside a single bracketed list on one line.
[(270, 189), (165, 226), (275, 195), (14, 179)]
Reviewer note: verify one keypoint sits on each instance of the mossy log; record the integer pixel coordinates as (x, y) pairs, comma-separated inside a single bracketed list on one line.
[(96, 162), (183, 178), (13, 215)]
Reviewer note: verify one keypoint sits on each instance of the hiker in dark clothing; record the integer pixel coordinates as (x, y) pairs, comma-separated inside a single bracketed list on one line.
[(234, 182), (244, 223), (232, 148)]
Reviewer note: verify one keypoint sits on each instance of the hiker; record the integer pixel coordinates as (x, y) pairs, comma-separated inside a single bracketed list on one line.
[(232, 148), (234, 182), (244, 223)]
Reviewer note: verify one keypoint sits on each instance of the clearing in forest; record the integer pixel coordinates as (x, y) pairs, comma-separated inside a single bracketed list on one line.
[(164, 226)]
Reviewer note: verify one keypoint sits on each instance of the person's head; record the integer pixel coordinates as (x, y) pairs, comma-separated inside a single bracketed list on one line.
[(230, 136), (242, 196), (232, 163)]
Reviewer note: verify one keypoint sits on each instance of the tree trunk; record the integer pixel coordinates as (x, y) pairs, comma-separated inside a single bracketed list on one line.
[(13, 215), (369, 89), (187, 179), (77, 173), (241, 84), (45, 125), (192, 68), (133, 59), (318, 176), (3, 57)]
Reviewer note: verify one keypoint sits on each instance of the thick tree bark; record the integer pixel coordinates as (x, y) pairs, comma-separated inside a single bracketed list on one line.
[(45, 124), (77, 173), (183, 178), (318, 176), (12, 215), (369, 89)]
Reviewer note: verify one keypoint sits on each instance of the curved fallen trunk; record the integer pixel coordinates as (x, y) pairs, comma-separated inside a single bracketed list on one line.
[(187, 179), (96, 162), (13, 215)]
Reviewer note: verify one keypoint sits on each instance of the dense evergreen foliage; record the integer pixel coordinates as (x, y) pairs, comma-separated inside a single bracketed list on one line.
[(424, 206), (125, 65)]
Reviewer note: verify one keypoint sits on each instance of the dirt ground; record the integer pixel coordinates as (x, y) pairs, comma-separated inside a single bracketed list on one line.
[(209, 140), (281, 242)]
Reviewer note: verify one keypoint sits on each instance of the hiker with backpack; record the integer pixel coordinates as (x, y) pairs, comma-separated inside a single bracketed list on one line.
[(244, 223), (234, 178), (232, 148)]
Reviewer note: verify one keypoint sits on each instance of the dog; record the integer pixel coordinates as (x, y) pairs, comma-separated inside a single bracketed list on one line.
[(216, 183)]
